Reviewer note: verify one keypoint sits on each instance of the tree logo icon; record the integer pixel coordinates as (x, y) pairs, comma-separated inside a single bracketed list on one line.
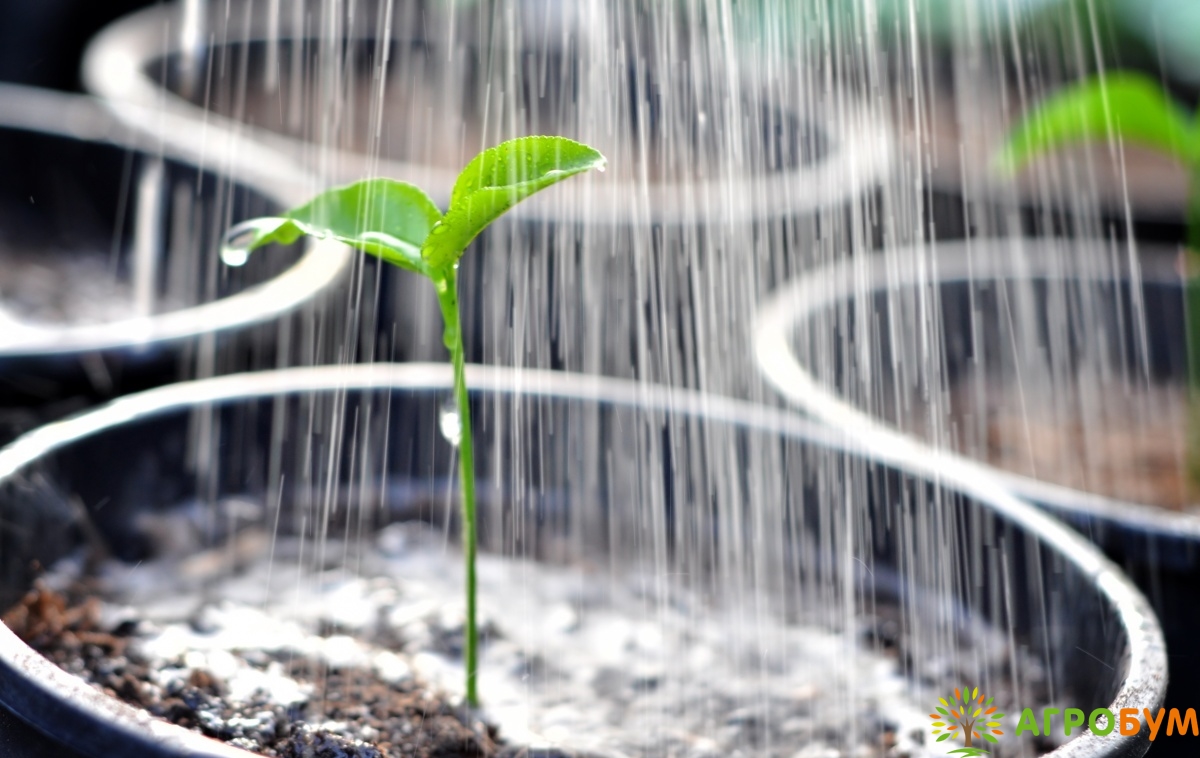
[(970, 716)]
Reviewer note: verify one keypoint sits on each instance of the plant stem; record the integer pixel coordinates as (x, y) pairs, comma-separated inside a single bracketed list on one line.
[(1191, 290), (447, 294)]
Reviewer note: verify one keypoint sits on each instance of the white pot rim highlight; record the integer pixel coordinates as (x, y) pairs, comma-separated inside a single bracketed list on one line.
[(85, 119), (811, 293)]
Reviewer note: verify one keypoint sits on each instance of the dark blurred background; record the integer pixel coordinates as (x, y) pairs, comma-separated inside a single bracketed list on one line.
[(42, 41)]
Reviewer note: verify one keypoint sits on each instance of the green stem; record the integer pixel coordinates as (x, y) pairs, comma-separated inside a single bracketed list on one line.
[(1191, 290), (447, 293)]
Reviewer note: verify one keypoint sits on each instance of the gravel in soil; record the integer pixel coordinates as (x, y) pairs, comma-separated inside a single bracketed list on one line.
[(295, 654), (349, 713)]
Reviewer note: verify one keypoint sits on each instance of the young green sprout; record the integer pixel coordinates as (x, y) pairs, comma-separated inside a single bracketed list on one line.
[(1135, 108), (398, 222)]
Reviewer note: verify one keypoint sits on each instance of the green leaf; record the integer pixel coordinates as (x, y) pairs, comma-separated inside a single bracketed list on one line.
[(383, 217), (945, 737), (1130, 106), (990, 738), (996, 716), (496, 180), (942, 711)]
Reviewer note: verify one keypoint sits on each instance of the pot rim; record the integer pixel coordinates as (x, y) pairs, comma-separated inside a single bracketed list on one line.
[(117, 60), (1144, 684), (85, 119), (819, 289)]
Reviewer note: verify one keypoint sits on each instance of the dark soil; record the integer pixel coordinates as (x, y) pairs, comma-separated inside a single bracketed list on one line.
[(351, 715), (350, 712), (1139, 463), (1131, 446)]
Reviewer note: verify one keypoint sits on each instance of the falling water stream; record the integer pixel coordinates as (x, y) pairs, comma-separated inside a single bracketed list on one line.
[(750, 144)]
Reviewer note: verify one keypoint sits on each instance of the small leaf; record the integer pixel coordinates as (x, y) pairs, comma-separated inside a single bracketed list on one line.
[(1130, 106), (939, 723), (943, 711), (989, 701), (974, 692), (943, 738), (496, 180), (990, 738), (942, 700), (998, 716), (383, 217)]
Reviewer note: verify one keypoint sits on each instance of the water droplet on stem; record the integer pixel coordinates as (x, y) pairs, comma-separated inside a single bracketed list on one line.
[(450, 423)]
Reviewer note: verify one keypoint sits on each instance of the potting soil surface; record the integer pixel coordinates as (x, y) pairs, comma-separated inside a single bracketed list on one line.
[(56, 289), (1128, 443), (300, 655)]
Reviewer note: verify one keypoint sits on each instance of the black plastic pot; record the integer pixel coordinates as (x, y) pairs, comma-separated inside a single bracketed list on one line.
[(78, 185), (41, 44), (1002, 313), (598, 464), (703, 157)]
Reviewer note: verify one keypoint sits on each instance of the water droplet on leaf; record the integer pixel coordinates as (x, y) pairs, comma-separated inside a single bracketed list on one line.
[(235, 248), (234, 256)]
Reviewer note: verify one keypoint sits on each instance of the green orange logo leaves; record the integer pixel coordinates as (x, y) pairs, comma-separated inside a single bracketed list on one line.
[(969, 716)]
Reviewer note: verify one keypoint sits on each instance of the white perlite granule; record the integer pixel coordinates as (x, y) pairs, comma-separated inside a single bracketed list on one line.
[(572, 658)]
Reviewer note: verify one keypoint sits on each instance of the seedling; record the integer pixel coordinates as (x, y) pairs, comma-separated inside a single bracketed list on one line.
[(1135, 108), (399, 223)]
